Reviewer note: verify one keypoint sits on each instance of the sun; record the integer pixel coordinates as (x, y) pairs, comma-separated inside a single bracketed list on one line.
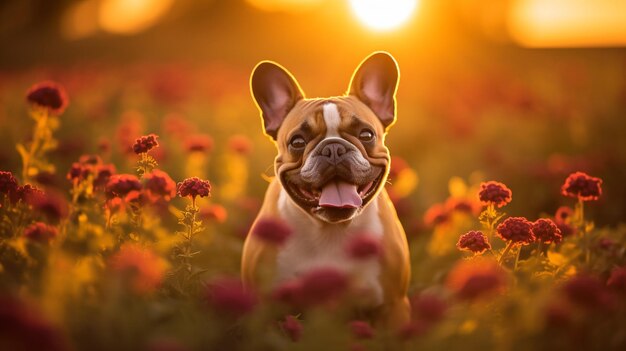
[(383, 15)]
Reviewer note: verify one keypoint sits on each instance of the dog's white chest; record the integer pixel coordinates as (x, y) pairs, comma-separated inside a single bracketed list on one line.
[(312, 245)]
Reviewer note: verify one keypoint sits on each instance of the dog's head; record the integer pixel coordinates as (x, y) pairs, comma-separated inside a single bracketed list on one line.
[(332, 160)]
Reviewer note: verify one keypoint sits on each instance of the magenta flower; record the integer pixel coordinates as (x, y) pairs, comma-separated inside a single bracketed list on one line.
[(272, 230), (474, 241), (546, 231), (470, 280), (516, 229), (52, 206), (582, 186), (495, 193), (361, 329), (428, 307), (323, 284), (48, 95), (292, 327), (587, 291), (228, 295), (145, 143), (194, 187), (363, 246)]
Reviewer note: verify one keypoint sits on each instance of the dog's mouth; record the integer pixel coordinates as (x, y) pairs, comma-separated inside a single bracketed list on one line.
[(336, 198)]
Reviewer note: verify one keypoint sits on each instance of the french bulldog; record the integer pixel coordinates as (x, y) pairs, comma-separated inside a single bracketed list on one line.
[(330, 175)]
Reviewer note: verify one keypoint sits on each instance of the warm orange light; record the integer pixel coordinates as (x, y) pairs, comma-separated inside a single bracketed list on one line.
[(131, 16), (568, 23), (80, 20), (383, 15), (284, 5)]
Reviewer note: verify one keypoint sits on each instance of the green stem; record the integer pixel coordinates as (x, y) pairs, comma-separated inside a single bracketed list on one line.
[(34, 145), (506, 251), (517, 258)]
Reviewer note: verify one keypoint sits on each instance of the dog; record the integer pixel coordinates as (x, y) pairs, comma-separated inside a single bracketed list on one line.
[(331, 169)]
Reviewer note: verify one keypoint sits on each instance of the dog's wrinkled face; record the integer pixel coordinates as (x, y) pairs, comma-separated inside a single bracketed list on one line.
[(331, 160)]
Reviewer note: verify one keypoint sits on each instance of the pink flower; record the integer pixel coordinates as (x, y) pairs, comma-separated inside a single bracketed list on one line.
[(412, 330), (145, 143), (495, 193), (48, 95), (582, 186), (158, 184), (139, 266), (119, 185), (478, 278), (194, 187), (199, 143), (517, 230), (228, 295), (322, 285), (40, 232), (546, 231), (361, 330), (272, 230), (363, 246), (289, 293), (292, 327), (474, 241)]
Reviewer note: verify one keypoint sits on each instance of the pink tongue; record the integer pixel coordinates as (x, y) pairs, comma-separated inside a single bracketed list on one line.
[(340, 194)]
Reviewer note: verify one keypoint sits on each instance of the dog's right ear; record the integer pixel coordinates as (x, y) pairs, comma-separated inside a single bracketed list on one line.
[(275, 92)]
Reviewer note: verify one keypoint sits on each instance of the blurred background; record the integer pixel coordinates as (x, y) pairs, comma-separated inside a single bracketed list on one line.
[(522, 92)]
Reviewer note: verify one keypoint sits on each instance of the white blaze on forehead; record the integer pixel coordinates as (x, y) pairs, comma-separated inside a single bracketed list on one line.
[(332, 119)]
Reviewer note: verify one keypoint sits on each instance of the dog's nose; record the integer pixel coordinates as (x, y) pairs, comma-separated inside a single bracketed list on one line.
[(333, 151)]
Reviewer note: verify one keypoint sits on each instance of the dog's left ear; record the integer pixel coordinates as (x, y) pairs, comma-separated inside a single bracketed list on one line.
[(375, 82)]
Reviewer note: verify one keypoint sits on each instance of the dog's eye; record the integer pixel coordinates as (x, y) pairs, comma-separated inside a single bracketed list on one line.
[(366, 135), (297, 142)]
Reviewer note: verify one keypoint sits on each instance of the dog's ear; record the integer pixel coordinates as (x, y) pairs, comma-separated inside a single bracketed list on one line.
[(275, 92), (375, 82)]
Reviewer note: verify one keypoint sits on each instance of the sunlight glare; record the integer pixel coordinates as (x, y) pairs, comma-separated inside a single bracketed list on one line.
[(131, 16), (383, 14)]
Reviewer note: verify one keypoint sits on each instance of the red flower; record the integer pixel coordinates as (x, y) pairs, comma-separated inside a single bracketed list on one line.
[(145, 143), (78, 172), (40, 232), (588, 292), (48, 95), (272, 230), (158, 184), (228, 295), (474, 241), (292, 327), (563, 214), (516, 229), (361, 330), (52, 205), (143, 269), (119, 185), (214, 212), (546, 231), (323, 284), (102, 174), (582, 186), (363, 246), (495, 193), (412, 330), (428, 307), (462, 205), (470, 280), (437, 214), (240, 144), (25, 193), (194, 187), (617, 280), (289, 292), (23, 328), (8, 183), (199, 143)]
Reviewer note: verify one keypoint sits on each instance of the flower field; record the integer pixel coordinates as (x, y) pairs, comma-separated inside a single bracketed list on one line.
[(127, 233)]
